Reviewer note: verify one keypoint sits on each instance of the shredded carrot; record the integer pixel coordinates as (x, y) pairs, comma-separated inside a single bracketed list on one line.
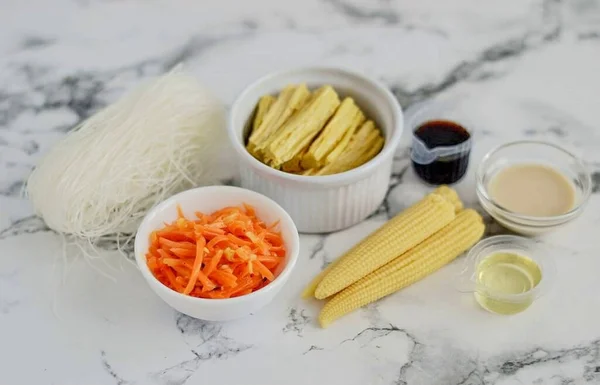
[(214, 241), (163, 242), (177, 236), (183, 253), (214, 261), (226, 254), (171, 279), (196, 274), (224, 278), (266, 273)]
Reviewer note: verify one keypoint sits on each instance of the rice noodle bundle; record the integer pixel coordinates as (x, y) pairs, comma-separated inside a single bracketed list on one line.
[(164, 137)]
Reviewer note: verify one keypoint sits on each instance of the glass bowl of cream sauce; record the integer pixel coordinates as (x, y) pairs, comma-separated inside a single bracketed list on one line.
[(532, 187)]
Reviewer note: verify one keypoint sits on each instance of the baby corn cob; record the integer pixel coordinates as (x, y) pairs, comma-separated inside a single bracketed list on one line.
[(309, 290), (446, 192), (427, 257), (346, 118), (401, 233), (364, 145), (451, 196), (297, 132), (261, 110), (290, 100)]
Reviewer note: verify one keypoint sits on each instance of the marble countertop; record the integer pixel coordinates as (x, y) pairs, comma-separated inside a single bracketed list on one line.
[(519, 68)]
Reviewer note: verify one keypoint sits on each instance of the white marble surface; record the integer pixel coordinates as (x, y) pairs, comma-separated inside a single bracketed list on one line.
[(520, 69)]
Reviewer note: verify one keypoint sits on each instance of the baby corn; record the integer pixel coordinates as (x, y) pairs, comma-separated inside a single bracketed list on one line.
[(446, 192), (417, 263), (401, 233), (298, 132), (309, 290), (290, 100), (451, 196), (346, 118)]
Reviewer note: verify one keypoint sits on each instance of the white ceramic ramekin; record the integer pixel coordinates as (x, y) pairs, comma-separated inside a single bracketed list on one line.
[(207, 200), (321, 203)]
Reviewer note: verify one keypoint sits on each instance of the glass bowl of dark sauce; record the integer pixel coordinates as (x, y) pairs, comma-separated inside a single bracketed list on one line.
[(441, 147)]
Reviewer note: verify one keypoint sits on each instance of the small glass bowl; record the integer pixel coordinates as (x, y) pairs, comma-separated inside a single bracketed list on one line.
[(540, 253), (529, 151), (456, 157)]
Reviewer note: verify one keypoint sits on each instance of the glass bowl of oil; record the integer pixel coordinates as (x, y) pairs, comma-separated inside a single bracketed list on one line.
[(507, 273)]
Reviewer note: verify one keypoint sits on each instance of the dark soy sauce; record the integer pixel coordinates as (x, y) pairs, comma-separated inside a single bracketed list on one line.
[(447, 169)]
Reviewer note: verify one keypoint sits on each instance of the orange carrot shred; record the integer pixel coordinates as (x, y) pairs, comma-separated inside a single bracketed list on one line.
[(214, 261), (237, 241), (214, 241), (163, 255), (200, 243), (224, 278), (171, 278), (180, 245), (266, 273), (177, 236), (183, 272), (183, 253), (228, 253)]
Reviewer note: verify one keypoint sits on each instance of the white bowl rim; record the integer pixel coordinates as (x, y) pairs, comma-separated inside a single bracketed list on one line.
[(278, 281), (539, 221), (389, 147)]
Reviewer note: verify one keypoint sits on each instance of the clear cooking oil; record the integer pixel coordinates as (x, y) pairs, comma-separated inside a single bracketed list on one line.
[(501, 277)]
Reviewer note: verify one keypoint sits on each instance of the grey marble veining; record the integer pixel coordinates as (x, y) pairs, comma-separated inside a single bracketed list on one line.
[(519, 69)]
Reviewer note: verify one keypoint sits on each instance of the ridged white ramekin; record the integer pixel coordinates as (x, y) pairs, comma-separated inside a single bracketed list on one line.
[(321, 203)]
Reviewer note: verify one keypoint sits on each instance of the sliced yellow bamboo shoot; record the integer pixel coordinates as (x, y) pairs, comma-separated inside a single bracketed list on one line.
[(346, 119), (298, 132), (261, 110), (294, 165), (290, 100), (364, 145)]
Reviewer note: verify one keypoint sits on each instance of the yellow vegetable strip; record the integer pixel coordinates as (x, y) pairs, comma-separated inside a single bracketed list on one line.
[(309, 172), (293, 165), (346, 118), (261, 110), (298, 132), (290, 100), (364, 145), (341, 146)]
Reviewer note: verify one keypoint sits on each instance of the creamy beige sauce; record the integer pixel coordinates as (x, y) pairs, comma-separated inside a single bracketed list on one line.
[(532, 189)]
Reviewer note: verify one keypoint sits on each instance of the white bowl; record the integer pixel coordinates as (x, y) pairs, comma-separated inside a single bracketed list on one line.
[(321, 203), (207, 200)]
